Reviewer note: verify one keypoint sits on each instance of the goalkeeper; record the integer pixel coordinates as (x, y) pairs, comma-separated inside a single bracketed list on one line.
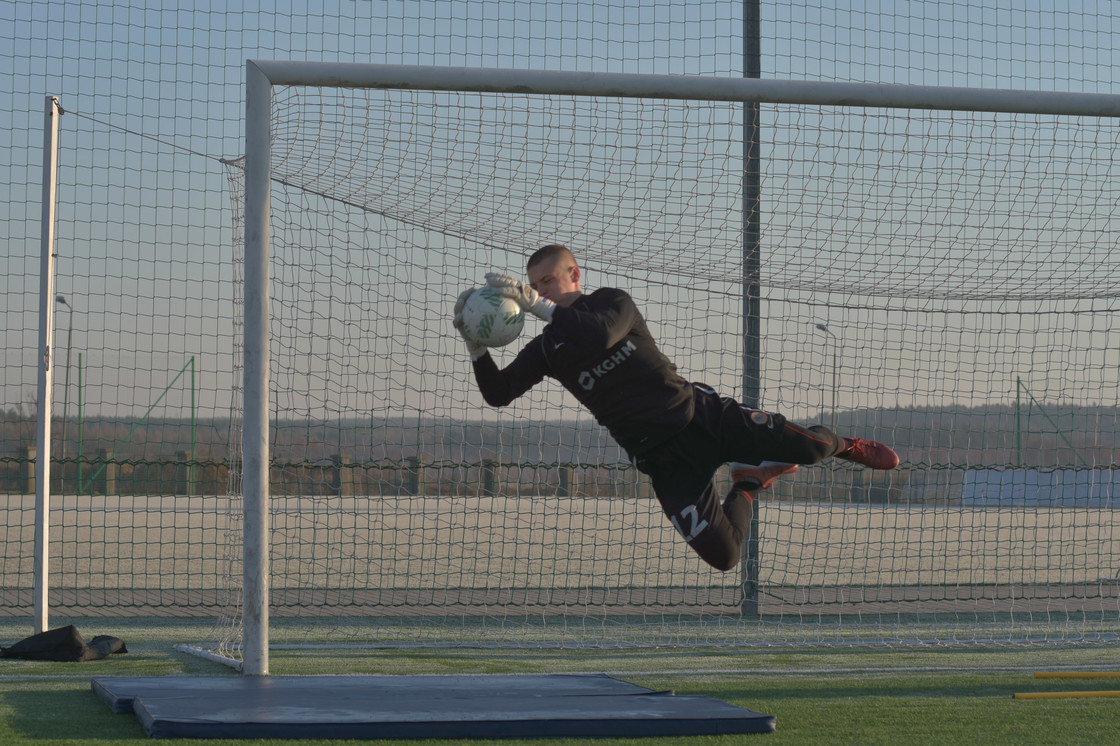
[(599, 348)]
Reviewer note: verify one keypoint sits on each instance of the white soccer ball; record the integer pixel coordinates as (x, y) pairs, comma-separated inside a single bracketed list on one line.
[(490, 319)]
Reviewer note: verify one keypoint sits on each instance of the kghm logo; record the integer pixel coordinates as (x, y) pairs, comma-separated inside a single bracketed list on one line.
[(588, 378)]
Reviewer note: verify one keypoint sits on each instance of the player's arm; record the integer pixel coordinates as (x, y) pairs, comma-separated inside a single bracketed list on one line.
[(499, 387)]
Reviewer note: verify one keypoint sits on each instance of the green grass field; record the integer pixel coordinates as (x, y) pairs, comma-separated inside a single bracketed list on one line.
[(837, 695)]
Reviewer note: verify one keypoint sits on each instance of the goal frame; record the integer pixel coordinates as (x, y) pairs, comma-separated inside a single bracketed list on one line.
[(262, 75)]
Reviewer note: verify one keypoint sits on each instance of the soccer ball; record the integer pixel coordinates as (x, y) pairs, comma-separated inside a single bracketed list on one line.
[(490, 319)]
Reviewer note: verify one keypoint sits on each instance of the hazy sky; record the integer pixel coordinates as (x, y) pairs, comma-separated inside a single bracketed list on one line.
[(155, 95)]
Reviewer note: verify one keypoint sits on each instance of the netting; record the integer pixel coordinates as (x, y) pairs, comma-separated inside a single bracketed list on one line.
[(144, 235), (941, 281), (142, 335)]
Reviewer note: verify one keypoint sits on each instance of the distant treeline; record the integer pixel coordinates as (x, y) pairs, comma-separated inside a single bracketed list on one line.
[(445, 456)]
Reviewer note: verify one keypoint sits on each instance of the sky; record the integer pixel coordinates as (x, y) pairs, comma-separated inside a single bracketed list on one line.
[(154, 99)]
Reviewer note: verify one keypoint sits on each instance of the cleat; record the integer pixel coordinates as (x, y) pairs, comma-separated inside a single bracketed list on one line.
[(870, 453), (763, 475)]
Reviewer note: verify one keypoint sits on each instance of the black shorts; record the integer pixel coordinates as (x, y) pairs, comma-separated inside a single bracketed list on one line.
[(722, 430)]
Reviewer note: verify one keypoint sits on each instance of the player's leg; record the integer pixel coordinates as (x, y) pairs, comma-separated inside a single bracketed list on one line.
[(751, 478), (743, 434), (747, 481), (870, 453), (809, 445), (753, 435), (714, 529), (681, 474)]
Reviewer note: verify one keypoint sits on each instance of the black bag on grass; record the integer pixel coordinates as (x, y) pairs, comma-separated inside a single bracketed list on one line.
[(64, 644)]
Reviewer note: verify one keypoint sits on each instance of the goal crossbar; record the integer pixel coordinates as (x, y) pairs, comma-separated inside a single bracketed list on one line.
[(684, 87)]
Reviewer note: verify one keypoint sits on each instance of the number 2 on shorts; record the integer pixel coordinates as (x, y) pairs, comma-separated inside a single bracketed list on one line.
[(692, 519)]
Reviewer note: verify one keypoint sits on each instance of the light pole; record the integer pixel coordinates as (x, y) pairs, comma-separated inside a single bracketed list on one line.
[(835, 369), (66, 390)]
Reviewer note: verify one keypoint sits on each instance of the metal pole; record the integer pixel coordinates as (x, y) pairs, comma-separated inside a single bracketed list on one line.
[(255, 466), (689, 87), (66, 387), (194, 432), (752, 269), (46, 374), (835, 370), (1018, 423), (78, 484), (835, 381)]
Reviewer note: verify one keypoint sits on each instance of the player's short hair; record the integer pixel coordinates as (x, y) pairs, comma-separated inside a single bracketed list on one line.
[(552, 251)]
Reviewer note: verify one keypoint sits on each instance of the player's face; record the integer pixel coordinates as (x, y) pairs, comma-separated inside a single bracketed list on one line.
[(556, 279)]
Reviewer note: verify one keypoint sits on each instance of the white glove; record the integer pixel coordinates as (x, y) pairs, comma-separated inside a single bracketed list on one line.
[(529, 300), (475, 349)]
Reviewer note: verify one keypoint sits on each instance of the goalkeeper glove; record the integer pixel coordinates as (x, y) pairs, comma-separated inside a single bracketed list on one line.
[(529, 300), (475, 349)]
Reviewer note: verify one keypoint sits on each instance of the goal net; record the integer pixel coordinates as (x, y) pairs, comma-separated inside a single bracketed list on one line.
[(941, 280)]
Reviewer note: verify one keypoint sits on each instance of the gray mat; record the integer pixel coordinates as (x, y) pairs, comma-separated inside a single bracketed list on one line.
[(438, 706)]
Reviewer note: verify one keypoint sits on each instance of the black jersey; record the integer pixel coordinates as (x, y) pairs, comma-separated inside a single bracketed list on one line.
[(600, 350)]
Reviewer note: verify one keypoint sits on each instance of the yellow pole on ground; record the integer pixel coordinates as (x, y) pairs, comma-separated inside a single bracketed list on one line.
[(1065, 695), (1077, 674)]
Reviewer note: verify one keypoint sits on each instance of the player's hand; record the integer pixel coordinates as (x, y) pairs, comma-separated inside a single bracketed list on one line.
[(529, 300), (475, 349)]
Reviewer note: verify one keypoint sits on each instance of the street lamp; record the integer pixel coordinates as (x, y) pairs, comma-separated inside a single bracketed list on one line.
[(66, 392), (835, 369)]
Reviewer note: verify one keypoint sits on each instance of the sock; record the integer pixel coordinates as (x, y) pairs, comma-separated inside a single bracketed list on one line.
[(738, 506)]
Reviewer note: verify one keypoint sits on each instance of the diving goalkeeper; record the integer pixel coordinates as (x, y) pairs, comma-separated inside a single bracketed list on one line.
[(599, 348)]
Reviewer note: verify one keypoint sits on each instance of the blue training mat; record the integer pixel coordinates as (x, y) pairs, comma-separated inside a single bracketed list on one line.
[(435, 706)]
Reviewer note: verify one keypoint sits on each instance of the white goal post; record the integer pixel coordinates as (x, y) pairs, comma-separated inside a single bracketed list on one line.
[(263, 76), (47, 354)]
